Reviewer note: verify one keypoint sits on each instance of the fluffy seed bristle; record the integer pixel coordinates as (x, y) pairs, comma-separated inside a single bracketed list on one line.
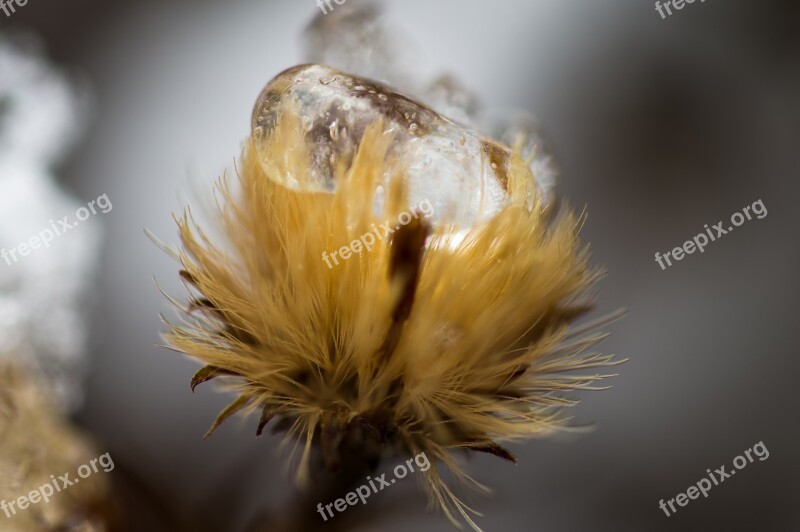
[(430, 342)]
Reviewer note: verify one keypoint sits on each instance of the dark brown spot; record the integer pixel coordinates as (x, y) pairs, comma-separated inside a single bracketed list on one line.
[(499, 158), (405, 262)]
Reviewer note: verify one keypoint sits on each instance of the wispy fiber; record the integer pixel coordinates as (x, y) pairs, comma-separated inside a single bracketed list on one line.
[(427, 343)]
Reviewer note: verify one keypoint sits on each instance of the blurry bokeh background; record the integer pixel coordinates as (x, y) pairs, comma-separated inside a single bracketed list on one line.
[(661, 126)]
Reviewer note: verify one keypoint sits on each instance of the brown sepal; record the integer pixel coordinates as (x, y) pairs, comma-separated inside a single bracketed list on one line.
[(207, 373), (496, 450)]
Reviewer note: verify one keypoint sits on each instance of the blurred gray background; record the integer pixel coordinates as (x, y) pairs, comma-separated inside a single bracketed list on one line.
[(661, 126)]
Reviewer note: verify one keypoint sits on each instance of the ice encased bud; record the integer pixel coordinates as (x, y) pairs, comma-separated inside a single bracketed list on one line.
[(461, 173)]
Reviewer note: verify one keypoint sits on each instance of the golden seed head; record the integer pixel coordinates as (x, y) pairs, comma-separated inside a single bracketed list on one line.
[(434, 340)]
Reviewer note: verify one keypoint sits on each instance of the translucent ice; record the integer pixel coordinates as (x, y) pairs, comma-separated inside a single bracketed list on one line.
[(463, 174), (358, 37)]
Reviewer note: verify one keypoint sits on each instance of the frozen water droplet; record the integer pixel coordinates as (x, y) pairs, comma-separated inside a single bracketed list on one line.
[(463, 174)]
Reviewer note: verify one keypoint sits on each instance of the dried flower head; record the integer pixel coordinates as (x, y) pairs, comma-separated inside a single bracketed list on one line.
[(36, 442), (437, 339)]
